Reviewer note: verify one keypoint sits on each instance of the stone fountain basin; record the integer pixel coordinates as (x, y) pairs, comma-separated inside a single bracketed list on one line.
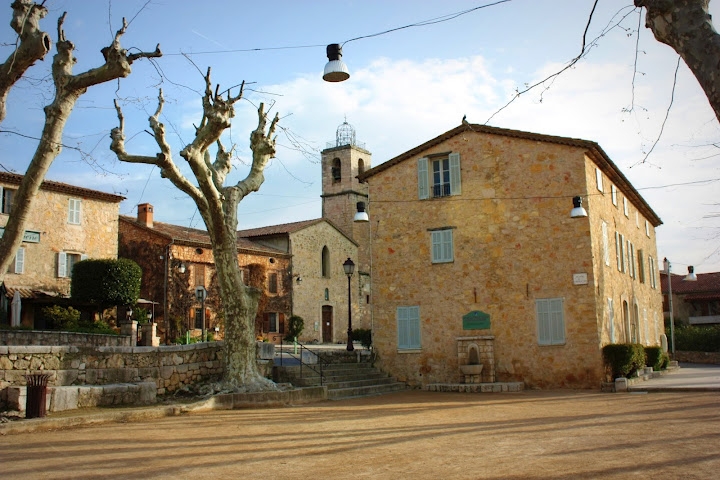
[(471, 369)]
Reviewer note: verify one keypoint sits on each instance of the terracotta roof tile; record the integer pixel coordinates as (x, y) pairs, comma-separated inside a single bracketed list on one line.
[(707, 283), (15, 179)]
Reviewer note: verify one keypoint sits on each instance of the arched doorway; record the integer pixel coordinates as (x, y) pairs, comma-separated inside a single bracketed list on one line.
[(327, 321)]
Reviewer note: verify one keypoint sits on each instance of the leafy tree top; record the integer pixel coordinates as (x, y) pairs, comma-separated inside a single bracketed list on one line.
[(106, 282)]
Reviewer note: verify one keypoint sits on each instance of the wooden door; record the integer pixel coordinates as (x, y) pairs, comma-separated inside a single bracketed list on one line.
[(327, 318)]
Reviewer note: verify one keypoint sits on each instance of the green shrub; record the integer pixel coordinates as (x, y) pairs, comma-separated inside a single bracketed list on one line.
[(696, 338), (363, 335), (295, 327), (656, 358), (624, 359), (61, 318), (106, 282)]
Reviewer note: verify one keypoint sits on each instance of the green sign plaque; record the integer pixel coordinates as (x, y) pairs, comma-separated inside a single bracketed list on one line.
[(476, 320)]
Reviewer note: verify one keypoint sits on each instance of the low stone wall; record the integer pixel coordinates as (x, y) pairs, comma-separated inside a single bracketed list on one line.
[(698, 357), (168, 367), (51, 338)]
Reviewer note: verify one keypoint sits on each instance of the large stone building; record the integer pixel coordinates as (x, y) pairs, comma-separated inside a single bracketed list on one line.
[(66, 224), (176, 260), (475, 257), (320, 286)]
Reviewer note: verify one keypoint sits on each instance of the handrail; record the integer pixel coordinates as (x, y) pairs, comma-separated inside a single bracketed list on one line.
[(321, 360)]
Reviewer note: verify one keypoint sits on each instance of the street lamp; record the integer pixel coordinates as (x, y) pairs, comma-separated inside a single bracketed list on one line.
[(668, 267), (349, 267), (201, 295)]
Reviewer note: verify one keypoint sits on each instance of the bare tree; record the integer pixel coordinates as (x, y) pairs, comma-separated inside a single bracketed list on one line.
[(686, 26), (32, 46), (218, 205)]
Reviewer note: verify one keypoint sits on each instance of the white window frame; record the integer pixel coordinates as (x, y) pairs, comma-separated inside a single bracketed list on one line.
[(425, 176), (606, 242), (599, 179), (647, 228), (613, 193), (408, 328), (62, 263), (441, 246), (18, 266), (74, 211), (2, 200), (626, 209), (550, 321)]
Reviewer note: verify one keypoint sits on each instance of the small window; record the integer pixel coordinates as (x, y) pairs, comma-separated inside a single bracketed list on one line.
[(66, 261), (598, 179), (361, 166), (442, 246), (199, 274), (626, 210), (641, 266), (550, 321), (18, 265), (647, 228), (8, 195), (408, 324), (198, 318), (439, 177), (336, 171), (613, 192), (327, 294), (273, 283), (651, 265), (637, 219), (619, 251), (272, 322), (325, 262), (74, 211), (605, 242), (631, 258)]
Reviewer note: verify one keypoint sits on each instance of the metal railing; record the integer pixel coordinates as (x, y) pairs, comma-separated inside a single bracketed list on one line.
[(321, 361)]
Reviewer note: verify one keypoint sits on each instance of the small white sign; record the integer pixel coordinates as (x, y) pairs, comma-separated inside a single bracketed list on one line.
[(580, 279)]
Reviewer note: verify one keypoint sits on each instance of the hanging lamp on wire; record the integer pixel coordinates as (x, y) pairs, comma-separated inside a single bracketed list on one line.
[(335, 70)]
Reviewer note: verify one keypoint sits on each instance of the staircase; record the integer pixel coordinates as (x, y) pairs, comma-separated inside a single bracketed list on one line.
[(343, 380)]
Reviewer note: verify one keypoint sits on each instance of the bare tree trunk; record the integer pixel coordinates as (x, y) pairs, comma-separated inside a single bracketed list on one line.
[(218, 206), (68, 88), (686, 26)]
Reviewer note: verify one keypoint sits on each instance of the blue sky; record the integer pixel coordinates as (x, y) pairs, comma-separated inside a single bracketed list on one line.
[(406, 87)]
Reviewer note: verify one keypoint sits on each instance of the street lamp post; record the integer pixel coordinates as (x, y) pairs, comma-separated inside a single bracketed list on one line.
[(201, 295), (668, 267), (349, 267)]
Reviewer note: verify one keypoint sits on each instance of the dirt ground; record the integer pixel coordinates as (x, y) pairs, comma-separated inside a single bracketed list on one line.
[(412, 434)]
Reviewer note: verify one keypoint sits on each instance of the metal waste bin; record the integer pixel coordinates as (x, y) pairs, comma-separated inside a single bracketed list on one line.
[(36, 395)]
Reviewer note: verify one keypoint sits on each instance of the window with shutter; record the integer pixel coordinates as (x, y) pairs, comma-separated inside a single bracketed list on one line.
[(442, 246), (550, 321), (74, 211), (439, 176), (408, 324)]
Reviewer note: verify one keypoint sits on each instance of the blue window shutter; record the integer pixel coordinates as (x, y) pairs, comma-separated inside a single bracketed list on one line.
[(423, 188), (543, 322), (447, 240), (455, 185), (62, 265), (557, 324), (408, 319)]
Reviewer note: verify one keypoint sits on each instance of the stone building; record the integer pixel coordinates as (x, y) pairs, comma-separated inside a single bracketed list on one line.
[(694, 302), (476, 259), (320, 286), (66, 224), (175, 260)]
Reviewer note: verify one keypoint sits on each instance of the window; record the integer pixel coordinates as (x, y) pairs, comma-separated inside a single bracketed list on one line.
[(325, 262), (361, 166), (598, 179), (74, 211), (198, 318), (272, 283), (613, 192), (606, 245), (8, 194), (550, 321), (625, 207), (442, 246), (335, 171), (66, 261), (647, 228), (439, 177), (620, 251), (637, 219), (272, 319), (631, 259), (18, 265), (651, 264), (408, 322), (641, 266), (199, 275)]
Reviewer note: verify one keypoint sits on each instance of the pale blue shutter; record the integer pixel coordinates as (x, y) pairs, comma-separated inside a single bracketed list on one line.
[(543, 320), (20, 261), (62, 265), (408, 320), (423, 188), (455, 185), (557, 323), (447, 242)]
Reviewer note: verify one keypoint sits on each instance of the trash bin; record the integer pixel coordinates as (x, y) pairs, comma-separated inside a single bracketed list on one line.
[(36, 395)]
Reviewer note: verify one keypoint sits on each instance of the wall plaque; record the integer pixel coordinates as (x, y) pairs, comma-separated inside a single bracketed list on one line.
[(476, 320)]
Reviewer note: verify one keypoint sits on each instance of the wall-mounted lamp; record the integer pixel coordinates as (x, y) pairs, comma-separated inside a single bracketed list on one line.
[(361, 216), (691, 277), (298, 280), (578, 211), (335, 70), (181, 268)]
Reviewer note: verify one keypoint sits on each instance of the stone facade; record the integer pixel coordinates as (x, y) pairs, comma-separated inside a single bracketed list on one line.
[(513, 251), (66, 224), (321, 296), (175, 260), (55, 337)]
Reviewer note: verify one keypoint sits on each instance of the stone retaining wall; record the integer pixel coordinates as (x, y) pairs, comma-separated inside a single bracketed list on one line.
[(50, 338), (168, 367)]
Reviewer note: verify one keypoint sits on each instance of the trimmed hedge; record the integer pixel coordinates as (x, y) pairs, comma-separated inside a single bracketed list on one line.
[(655, 358), (364, 336), (624, 359), (696, 338), (106, 282)]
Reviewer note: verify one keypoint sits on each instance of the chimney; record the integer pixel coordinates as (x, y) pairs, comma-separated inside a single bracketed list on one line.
[(145, 215)]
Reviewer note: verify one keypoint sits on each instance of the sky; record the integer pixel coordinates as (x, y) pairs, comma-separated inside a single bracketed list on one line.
[(406, 86)]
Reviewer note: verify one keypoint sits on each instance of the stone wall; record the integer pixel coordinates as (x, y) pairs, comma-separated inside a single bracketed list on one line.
[(168, 367), (698, 357), (40, 337)]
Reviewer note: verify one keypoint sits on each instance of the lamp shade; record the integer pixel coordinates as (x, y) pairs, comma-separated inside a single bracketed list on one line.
[(691, 277), (335, 70), (349, 267), (361, 215), (578, 211)]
